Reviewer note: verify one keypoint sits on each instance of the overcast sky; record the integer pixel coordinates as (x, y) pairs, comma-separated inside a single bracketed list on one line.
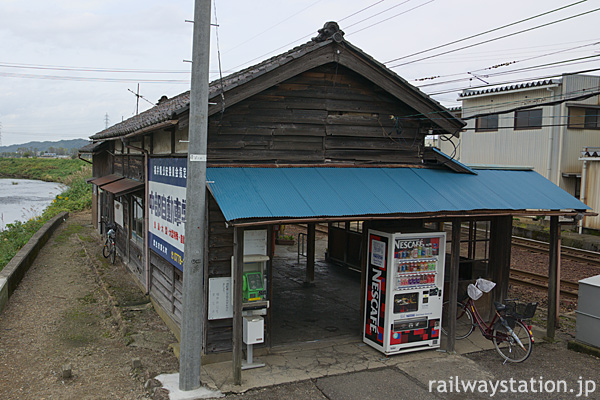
[(62, 62)]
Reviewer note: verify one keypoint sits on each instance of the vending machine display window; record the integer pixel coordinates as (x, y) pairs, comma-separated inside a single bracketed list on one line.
[(406, 302), (403, 300)]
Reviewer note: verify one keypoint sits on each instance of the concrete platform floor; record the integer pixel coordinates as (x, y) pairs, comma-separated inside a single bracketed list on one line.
[(317, 331), (334, 356)]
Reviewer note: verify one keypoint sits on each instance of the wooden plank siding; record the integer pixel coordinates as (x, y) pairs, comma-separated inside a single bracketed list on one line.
[(328, 113), (220, 251)]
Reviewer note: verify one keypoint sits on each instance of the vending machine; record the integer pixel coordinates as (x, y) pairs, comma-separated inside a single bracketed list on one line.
[(403, 300)]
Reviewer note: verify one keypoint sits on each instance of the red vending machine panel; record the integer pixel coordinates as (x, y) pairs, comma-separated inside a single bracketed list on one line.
[(403, 302)]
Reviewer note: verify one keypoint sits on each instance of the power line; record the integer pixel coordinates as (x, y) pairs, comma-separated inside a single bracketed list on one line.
[(514, 81), (285, 46), (393, 16), (271, 27), (359, 11), (505, 63), (92, 79), (483, 33), (497, 38), (89, 69), (374, 15), (568, 62)]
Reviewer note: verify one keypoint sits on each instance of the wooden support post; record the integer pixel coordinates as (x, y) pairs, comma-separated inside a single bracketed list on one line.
[(270, 253), (310, 253), (363, 266), (553, 286), (500, 250), (238, 271), (453, 295)]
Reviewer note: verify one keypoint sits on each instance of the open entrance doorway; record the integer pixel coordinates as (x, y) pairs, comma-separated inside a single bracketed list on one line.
[(328, 307)]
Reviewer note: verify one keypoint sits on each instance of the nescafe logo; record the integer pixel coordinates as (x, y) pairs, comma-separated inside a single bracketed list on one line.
[(409, 244)]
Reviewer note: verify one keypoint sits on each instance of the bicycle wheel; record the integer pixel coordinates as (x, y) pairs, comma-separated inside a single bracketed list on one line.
[(464, 320), (113, 252), (106, 248), (507, 345)]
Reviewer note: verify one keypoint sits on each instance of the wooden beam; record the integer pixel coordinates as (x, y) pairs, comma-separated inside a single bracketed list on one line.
[(310, 253), (554, 251), (238, 270), (453, 295)]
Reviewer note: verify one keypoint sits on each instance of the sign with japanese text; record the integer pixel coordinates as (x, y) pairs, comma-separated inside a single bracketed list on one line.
[(167, 179)]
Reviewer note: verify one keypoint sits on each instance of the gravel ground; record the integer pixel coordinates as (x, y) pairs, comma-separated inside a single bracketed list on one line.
[(538, 262), (74, 308)]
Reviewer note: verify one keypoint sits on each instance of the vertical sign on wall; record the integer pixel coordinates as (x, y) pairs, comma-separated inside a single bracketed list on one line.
[(375, 291), (167, 188)]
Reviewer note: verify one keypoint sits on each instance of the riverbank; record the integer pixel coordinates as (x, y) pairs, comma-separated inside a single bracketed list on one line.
[(77, 196)]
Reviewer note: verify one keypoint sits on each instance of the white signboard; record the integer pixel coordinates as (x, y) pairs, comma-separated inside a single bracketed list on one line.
[(167, 189), (255, 242), (118, 213), (220, 299)]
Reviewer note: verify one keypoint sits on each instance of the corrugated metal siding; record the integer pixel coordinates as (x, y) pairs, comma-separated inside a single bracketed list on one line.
[(317, 192), (506, 146), (574, 140), (592, 195)]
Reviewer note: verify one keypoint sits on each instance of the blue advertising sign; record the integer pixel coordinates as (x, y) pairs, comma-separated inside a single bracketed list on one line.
[(167, 179)]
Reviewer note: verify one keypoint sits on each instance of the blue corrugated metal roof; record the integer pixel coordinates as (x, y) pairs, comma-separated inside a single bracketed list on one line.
[(453, 161), (336, 192)]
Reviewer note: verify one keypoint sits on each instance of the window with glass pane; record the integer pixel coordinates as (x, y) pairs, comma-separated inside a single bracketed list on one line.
[(486, 123), (591, 118), (528, 119), (137, 219)]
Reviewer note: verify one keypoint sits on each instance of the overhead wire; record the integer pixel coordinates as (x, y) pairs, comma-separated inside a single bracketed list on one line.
[(513, 81), (285, 46), (393, 16), (496, 38), (506, 63), (486, 32), (274, 26), (571, 61)]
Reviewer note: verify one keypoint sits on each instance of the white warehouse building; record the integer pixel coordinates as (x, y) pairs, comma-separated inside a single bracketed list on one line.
[(543, 124)]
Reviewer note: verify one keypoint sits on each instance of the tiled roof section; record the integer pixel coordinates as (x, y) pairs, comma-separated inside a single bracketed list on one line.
[(90, 148), (546, 82), (164, 111), (160, 113)]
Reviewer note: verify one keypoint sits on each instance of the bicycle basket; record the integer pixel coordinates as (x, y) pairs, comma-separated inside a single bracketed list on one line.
[(474, 292), (484, 285), (521, 310)]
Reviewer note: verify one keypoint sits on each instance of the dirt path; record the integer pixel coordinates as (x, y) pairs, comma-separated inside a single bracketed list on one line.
[(75, 308)]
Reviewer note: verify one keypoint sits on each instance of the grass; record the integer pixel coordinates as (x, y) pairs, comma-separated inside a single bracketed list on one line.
[(49, 170), (77, 197)]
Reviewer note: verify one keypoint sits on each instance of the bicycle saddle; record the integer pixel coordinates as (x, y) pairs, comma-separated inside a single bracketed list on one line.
[(499, 306)]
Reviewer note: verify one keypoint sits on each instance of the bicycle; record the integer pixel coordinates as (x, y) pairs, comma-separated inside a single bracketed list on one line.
[(109, 249), (508, 330)]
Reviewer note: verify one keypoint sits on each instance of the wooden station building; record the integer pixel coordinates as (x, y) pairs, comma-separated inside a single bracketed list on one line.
[(322, 133)]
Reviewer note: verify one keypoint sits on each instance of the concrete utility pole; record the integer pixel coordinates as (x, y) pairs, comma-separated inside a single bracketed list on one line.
[(194, 248)]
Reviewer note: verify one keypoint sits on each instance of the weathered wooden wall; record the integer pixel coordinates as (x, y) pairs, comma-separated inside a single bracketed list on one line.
[(329, 113)]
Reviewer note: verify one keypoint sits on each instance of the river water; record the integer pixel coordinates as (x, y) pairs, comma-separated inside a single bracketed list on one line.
[(21, 199)]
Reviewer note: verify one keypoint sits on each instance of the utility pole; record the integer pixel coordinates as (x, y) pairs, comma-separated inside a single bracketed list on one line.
[(106, 121), (192, 321)]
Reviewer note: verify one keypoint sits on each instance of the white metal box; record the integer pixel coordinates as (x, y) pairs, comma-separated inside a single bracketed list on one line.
[(254, 328), (588, 311)]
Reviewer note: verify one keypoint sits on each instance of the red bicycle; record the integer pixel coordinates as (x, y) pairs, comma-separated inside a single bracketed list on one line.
[(509, 329)]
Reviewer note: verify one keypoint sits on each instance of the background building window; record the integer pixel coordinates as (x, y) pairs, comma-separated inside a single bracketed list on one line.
[(584, 118), (137, 220), (528, 119), (591, 118), (487, 123)]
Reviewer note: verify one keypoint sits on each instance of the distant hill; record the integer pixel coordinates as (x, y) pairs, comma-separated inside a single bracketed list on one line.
[(45, 146)]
